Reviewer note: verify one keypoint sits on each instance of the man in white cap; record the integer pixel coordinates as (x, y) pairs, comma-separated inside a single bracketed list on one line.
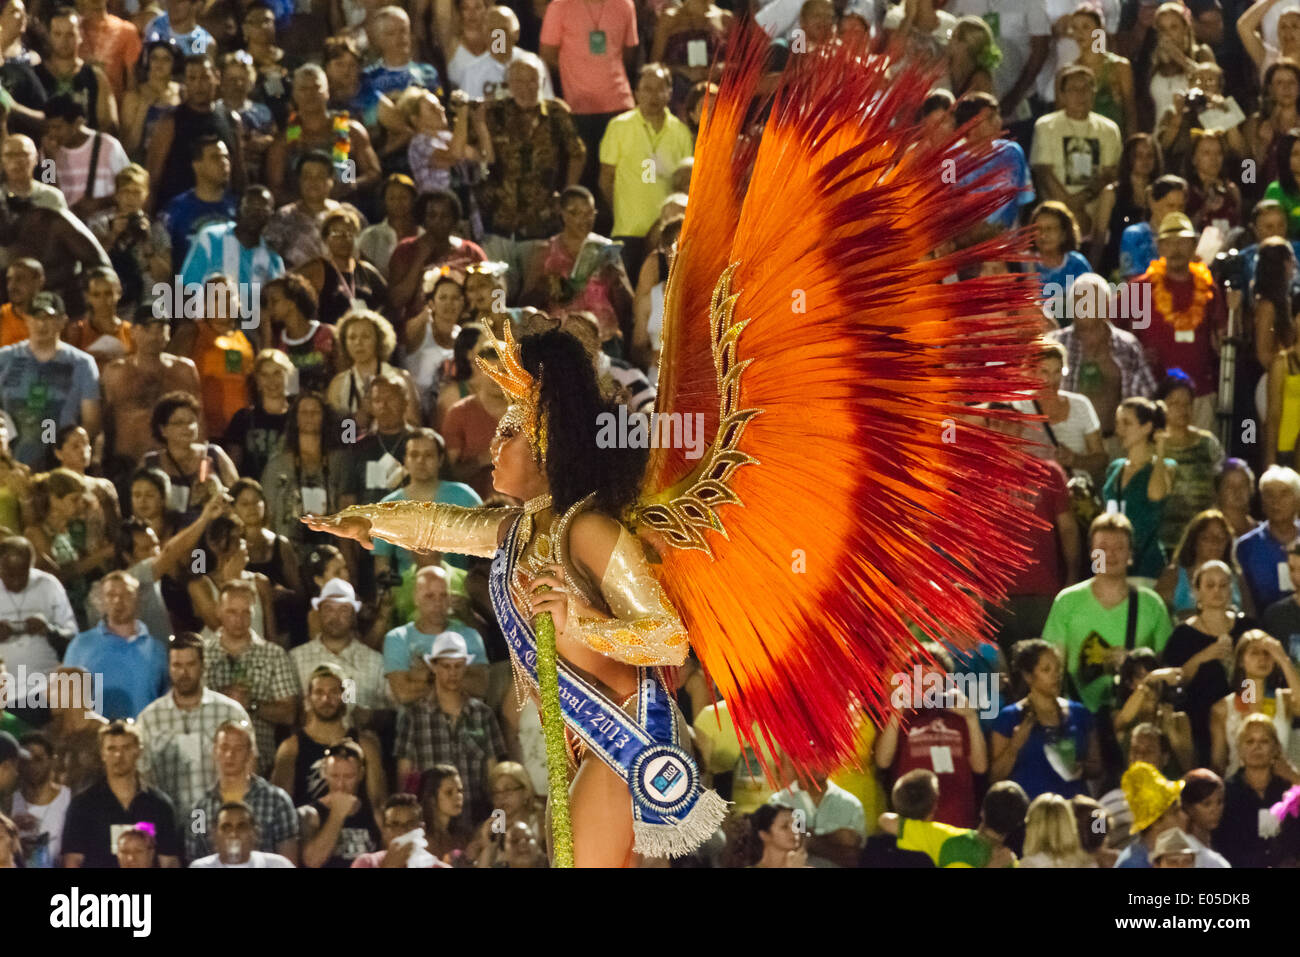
[(406, 645), (338, 644), (1182, 316), (451, 727), (1173, 849)]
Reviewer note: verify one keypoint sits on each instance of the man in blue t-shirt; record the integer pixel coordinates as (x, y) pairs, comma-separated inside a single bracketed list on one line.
[(408, 676), (210, 201), (1006, 159), (1261, 552), (46, 384), (180, 24), (395, 70), (1137, 244), (131, 666)]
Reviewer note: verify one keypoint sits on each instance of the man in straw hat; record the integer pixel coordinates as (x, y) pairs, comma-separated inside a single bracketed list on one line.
[(1157, 808)]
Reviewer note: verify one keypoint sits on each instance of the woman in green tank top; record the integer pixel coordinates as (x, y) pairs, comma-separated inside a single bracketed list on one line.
[(1114, 73)]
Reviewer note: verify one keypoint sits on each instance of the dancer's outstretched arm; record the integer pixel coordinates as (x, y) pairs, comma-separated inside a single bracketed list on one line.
[(419, 526)]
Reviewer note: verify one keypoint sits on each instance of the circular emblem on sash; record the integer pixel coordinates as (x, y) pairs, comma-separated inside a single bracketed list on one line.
[(663, 778)]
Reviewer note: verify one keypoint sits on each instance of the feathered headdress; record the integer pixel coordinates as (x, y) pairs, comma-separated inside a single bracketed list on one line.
[(522, 389)]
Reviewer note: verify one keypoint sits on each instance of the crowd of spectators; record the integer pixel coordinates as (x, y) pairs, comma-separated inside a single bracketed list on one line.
[(251, 250)]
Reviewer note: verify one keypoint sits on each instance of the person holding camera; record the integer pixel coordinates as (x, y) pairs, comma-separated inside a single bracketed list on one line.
[(1264, 681), (1195, 110), (1148, 694)]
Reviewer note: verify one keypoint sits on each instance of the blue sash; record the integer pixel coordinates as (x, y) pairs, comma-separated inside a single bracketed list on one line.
[(671, 814)]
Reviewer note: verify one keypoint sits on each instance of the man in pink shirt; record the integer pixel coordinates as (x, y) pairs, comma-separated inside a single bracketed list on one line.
[(593, 45), (111, 42)]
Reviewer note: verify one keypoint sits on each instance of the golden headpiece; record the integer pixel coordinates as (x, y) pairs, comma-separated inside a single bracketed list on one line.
[(522, 389)]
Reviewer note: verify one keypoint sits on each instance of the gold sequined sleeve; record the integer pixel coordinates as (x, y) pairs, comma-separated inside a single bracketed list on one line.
[(435, 527), (645, 629)]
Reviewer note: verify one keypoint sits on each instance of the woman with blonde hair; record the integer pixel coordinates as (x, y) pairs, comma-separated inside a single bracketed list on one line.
[(514, 799), (973, 56), (58, 498), (1263, 682), (1052, 835), (366, 341)]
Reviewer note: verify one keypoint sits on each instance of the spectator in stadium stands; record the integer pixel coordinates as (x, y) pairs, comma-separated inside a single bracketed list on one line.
[(430, 337), (40, 805), (234, 752), (102, 332), (1234, 491), (11, 849), (18, 158), (309, 475), (342, 282), (1057, 240), (256, 432), (1052, 835), (1139, 481), (1142, 701), (1088, 622), (171, 143), (537, 152), (374, 464), (227, 554), (378, 241), (118, 799), (1197, 454), (1275, 275), (593, 59), (1072, 433), (36, 633), (290, 306), (1282, 618), (620, 381), (1213, 199), (440, 212), (327, 720), (1075, 178), (110, 41), (339, 644), (1268, 221), (1002, 817), (269, 554), (86, 161), (442, 798), (132, 663), (624, 159), (131, 387), (217, 244), (1203, 801), (239, 839), (24, 278), (154, 91), (59, 500), (1138, 246), (945, 740), (451, 727), (175, 730), (74, 729), (11, 757), (1124, 201), (832, 818), (1261, 552), (138, 249), (64, 70), (1245, 836), (43, 378), (770, 840), (1094, 826), (1286, 189), (985, 153), (221, 351), (401, 816), (137, 848), (208, 202), (340, 825), (688, 39), (1156, 808), (239, 78), (1263, 681), (468, 429), (366, 342), (422, 459), (1202, 645), (180, 25), (406, 647), (248, 668), (184, 459), (1043, 742)]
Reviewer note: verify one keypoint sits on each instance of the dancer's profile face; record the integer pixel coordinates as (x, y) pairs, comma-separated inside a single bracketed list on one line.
[(515, 471)]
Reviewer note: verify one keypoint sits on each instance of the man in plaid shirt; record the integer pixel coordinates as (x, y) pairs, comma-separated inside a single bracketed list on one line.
[(256, 673), (235, 753), (450, 727), (177, 729)]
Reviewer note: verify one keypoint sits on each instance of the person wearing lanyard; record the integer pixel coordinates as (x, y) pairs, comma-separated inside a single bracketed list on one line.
[(175, 423), (342, 282), (643, 141)]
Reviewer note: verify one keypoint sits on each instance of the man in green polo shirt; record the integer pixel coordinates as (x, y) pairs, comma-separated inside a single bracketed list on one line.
[(1089, 621)]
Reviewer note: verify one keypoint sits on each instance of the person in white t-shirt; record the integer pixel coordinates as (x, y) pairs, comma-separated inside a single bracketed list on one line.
[(1076, 151), (40, 805), (1023, 32), (236, 841), (1072, 433)]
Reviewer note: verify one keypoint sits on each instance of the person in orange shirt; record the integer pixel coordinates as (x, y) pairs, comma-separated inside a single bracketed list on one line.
[(102, 332), (24, 278), (221, 351)]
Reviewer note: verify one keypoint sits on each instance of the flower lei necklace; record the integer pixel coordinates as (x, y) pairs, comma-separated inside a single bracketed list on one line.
[(1194, 314), (340, 126)]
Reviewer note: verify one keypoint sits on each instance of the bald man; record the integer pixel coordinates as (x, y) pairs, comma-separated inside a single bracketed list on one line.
[(18, 159)]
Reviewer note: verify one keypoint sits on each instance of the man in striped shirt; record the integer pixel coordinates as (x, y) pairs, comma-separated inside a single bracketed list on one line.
[(236, 249), (178, 728)]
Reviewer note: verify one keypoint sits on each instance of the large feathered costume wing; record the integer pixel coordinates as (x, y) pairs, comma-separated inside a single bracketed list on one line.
[(843, 496)]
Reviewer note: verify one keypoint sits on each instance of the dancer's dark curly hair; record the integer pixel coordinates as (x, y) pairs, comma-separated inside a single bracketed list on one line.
[(573, 405)]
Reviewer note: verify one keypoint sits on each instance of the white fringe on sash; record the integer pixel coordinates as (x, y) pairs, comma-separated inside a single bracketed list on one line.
[(678, 840)]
